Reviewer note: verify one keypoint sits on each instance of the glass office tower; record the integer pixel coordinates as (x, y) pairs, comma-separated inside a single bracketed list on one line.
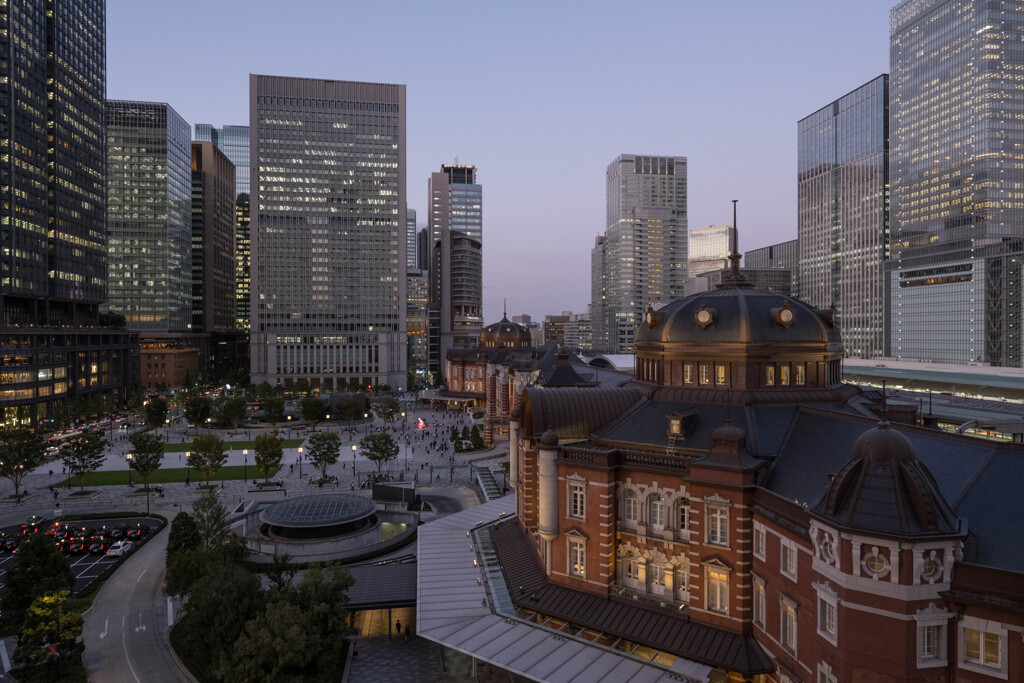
[(149, 216), (957, 171), (234, 142), (645, 251), (58, 356), (843, 212), (709, 249), (328, 232)]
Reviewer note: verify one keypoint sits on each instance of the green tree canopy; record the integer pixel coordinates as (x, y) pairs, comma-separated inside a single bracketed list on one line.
[(50, 635), (221, 601), (154, 412), (84, 454), (40, 568), (324, 449), (198, 409), (147, 454), (312, 409), (386, 408), (268, 453), (348, 408), (183, 535), (21, 451), (204, 544), (208, 455), (273, 410), (379, 448), (233, 411)]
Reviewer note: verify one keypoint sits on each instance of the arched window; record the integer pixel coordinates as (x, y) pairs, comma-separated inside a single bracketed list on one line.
[(682, 518), (656, 511), (630, 508)]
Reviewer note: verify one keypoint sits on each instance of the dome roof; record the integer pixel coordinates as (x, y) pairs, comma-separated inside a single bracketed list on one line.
[(739, 314), (505, 333), (883, 489)]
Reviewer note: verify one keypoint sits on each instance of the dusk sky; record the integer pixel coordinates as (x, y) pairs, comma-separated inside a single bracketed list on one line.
[(540, 96)]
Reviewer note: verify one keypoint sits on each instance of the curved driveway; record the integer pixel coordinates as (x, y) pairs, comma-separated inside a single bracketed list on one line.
[(126, 630)]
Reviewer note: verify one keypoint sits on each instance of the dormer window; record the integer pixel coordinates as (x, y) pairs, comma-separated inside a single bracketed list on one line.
[(675, 426)]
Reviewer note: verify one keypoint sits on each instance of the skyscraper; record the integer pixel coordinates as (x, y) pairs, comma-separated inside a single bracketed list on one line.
[(709, 249), (56, 348), (957, 169), (234, 142), (843, 212), (213, 240), (456, 201), (149, 197), (645, 249), (410, 238), (328, 232)]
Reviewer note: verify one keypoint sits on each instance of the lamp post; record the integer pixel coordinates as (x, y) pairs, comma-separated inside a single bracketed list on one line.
[(327, 419), (354, 462), (403, 422), (188, 468), (300, 462), (366, 430), (128, 459), (245, 464)]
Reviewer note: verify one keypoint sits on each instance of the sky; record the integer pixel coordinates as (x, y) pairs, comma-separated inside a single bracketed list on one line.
[(540, 97)]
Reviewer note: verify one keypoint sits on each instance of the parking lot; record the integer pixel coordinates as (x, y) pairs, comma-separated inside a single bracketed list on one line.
[(87, 566)]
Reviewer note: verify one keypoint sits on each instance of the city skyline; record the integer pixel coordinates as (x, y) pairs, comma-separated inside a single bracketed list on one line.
[(545, 86)]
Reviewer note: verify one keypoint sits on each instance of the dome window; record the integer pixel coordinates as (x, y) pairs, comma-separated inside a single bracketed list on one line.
[(783, 316), (704, 317)]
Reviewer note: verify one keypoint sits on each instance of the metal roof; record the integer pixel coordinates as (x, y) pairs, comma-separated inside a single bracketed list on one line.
[(380, 586), (318, 510)]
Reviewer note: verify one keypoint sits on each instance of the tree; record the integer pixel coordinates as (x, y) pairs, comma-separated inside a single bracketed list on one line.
[(198, 409), (50, 636), (379, 448), (348, 408), (280, 571), (273, 410), (134, 402), (312, 409), (208, 455), (183, 535), (40, 568), (268, 454), (204, 544), (324, 449), (475, 438), (155, 412), (84, 454), (233, 411), (21, 451), (148, 455), (386, 408)]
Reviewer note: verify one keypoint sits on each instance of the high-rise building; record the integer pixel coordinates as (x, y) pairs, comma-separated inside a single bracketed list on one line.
[(843, 212), (416, 320), (58, 352), (598, 292), (954, 277), (328, 232), (234, 142), (781, 255), (149, 181), (213, 240), (410, 238), (456, 201), (643, 259), (709, 249)]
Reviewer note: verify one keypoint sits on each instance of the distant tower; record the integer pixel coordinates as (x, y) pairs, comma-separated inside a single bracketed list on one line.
[(843, 212), (709, 249), (645, 251)]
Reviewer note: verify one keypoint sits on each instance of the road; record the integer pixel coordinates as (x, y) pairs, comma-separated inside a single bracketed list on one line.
[(126, 631)]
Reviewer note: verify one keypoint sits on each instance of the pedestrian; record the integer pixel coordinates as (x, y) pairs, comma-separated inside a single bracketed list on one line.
[(54, 492), (51, 473), (398, 626), (407, 633)]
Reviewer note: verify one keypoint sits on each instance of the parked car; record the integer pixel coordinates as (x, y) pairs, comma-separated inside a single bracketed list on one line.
[(120, 548), (78, 546), (98, 546), (137, 531)]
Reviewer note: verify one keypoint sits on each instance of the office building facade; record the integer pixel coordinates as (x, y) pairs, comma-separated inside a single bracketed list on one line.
[(234, 142), (149, 197), (328, 232), (843, 212), (709, 249), (781, 255), (213, 240), (456, 202), (644, 256), (60, 357), (954, 277), (410, 238)]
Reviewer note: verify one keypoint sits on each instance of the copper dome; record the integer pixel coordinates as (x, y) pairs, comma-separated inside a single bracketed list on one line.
[(505, 334)]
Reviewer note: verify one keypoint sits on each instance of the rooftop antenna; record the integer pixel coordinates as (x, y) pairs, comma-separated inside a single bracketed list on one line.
[(504, 308), (885, 408), (734, 257)]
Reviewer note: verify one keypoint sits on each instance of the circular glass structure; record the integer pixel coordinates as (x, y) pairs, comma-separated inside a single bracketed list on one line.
[(318, 516)]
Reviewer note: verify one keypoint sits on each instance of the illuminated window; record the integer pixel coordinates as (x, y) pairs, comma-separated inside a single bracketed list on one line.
[(784, 375), (719, 374), (705, 374), (718, 590), (577, 560), (688, 373), (787, 630), (769, 376), (799, 374)]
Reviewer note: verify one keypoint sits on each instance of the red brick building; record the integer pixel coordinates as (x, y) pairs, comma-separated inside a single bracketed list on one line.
[(737, 505)]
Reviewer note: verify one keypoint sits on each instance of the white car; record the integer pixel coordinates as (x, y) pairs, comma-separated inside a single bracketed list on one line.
[(119, 548)]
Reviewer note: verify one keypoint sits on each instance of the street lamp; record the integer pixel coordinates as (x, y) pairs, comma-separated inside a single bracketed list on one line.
[(245, 464), (300, 462), (188, 467), (367, 427), (128, 458), (354, 461)]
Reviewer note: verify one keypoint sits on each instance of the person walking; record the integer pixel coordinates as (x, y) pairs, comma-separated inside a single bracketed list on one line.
[(398, 626)]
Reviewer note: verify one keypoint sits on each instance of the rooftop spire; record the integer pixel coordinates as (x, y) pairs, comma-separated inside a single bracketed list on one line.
[(734, 278)]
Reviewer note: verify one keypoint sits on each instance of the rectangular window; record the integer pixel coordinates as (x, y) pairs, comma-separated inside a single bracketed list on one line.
[(718, 590), (719, 374), (684, 515), (657, 513), (718, 526), (789, 559), (759, 602), (632, 508), (784, 375), (826, 617), (577, 566), (656, 574), (769, 376), (982, 647), (788, 627), (576, 501), (633, 569), (759, 541), (705, 374), (930, 641), (688, 374), (799, 372)]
